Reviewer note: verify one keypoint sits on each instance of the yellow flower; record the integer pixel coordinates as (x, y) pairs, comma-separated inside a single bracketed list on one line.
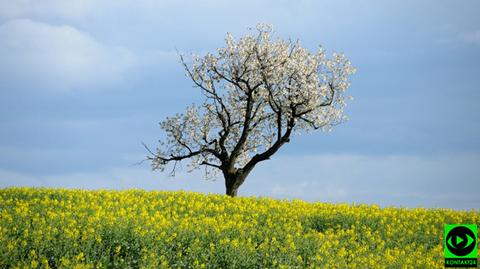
[(299, 258), (80, 256), (164, 226)]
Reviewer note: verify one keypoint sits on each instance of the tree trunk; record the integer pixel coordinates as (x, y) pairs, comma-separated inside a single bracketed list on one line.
[(232, 191), (233, 183)]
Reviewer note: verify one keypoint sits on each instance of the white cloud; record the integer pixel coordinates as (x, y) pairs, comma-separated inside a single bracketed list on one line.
[(429, 181), (58, 57)]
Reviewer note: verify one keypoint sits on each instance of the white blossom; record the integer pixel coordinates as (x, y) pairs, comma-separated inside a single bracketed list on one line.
[(259, 91)]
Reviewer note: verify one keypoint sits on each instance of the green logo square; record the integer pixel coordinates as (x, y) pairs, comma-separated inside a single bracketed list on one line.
[(460, 245)]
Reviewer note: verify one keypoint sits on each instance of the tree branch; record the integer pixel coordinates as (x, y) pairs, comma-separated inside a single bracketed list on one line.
[(272, 150), (211, 164)]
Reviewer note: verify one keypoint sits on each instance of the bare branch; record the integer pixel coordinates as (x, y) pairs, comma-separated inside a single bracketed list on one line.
[(257, 91), (210, 164)]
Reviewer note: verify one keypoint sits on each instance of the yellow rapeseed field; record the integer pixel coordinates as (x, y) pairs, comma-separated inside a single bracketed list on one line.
[(59, 228)]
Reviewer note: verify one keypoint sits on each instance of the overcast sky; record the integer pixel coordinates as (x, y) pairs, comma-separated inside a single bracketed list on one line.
[(83, 83)]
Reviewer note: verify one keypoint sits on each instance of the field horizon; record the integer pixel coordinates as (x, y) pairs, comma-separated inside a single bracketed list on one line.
[(240, 196), (65, 228)]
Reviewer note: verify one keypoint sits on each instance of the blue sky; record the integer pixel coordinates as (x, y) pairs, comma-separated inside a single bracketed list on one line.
[(83, 83)]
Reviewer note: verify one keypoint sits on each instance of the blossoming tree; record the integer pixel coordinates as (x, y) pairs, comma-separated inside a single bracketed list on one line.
[(259, 92)]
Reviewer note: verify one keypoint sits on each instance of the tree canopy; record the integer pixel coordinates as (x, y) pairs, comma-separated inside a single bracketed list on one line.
[(259, 92)]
